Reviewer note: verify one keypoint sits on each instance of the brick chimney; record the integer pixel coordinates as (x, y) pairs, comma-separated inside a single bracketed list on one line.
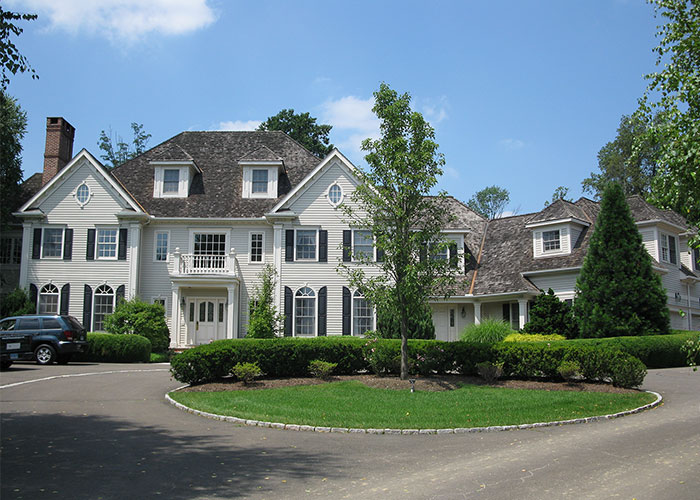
[(59, 146)]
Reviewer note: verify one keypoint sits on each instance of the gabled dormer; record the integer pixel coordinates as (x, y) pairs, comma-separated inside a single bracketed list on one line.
[(557, 229), (261, 170), (173, 171)]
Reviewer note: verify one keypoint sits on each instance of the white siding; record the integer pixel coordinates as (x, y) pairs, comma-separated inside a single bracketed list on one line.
[(649, 241), (563, 284)]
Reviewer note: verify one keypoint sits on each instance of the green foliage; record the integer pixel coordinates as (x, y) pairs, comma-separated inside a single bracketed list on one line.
[(420, 321), (489, 371), (551, 316), (322, 369), (246, 372), (618, 294), (141, 318), (630, 160), (674, 90), (489, 331), (16, 303), (569, 370), (691, 348), (303, 129), (10, 58), (532, 337), (108, 348), (264, 322), (13, 125), (392, 200), (560, 193), (116, 151), (383, 358), (489, 202)]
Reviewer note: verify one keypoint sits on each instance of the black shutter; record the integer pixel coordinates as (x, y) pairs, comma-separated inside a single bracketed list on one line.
[(453, 254), (322, 303), (33, 294), (288, 303), (36, 244), (506, 312), (347, 245), (65, 299), (289, 245), (322, 245), (347, 307), (90, 252), (380, 255), (120, 293), (87, 306), (68, 244), (122, 243), (423, 254)]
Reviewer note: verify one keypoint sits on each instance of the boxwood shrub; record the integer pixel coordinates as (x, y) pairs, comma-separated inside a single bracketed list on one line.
[(110, 348)]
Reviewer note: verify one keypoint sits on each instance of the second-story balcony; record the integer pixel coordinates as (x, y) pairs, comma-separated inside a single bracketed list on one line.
[(189, 264)]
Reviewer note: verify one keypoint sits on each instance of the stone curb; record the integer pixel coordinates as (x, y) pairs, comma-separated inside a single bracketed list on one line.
[(459, 430)]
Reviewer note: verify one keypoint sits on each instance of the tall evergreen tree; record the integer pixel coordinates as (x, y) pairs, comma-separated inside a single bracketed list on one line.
[(618, 293), (13, 125)]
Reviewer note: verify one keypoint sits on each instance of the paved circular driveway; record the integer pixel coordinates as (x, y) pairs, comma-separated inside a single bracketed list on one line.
[(110, 434)]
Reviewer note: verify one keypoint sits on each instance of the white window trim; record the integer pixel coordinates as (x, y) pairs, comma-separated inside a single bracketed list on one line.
[(328, 195), (552, 250), (250, 247), (210, 230), (161, 298), (97, 240), (42, 293), (75, 194), (352, 315), (296, 259), (272, 181), (294, 322), (94, 303), (159, 181), (63, 240), (155, 245), (665, 237), (374, 247)]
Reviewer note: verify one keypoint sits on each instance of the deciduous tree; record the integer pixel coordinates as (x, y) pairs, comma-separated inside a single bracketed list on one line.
[(13, 124), (303, 129), (116, 151), (560, 193), (391, 201), (490, 201), (11, 60)]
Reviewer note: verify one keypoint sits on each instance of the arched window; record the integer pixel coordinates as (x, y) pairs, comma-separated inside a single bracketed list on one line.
[(48, 299), (362, 314), (104, 305), (305, 312)]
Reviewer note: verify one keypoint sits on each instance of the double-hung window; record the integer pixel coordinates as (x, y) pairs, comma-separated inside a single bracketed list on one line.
[(104, 306), (52, 243), (256, 247), (161, 246), (363, 245), (107, 243), (669, 251), (10, 250), (305, 312), (306, 244), (260, 180), (171, 181), (362, 314), (48, 299), (551, 241)]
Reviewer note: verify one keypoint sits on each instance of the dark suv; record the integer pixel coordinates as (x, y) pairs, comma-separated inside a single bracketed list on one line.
[(53, 338)]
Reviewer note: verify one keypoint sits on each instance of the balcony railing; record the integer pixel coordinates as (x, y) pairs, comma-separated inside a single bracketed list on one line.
[(193, 264)]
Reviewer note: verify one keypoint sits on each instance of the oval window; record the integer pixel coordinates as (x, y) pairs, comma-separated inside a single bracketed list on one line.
[(335, 194), (82, 194)]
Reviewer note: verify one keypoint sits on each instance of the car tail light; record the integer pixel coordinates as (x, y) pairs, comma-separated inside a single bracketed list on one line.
[(68, 334)]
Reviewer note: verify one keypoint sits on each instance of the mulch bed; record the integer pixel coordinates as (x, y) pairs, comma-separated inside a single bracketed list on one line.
[(434, 383)]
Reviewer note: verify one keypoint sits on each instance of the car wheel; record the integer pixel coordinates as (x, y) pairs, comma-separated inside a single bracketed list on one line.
[(63, 359), (4, 365), (45, 354)]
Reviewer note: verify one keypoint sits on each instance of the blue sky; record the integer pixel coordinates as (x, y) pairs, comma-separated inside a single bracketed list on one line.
[(521, 94)]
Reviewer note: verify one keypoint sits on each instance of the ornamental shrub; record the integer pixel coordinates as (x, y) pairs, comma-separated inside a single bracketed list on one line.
[(246, 372), (322, 369), (489, 371), (489, 331), (16, 303), (551, 316), (569, 370), (532, 337), (618, 294), (382, 357), (140, 318), (264, 322), (109, 348), (691, 349)]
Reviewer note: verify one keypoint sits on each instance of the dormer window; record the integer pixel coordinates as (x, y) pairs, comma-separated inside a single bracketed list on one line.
[(668, 249), (260, 180), (551, 241), (172, 179), (260, 183)]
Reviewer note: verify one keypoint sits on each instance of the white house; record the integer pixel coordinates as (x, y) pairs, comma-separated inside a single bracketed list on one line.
[(191, 222)]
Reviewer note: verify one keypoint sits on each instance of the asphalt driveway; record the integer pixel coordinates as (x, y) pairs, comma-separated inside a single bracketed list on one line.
[(108, 433)]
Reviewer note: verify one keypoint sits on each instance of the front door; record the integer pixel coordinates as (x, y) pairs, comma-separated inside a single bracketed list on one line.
[(207, 320)]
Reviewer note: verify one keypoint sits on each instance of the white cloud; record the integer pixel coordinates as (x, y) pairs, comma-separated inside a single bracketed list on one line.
[(352, 120), (125, 20), (239, 125), (435, 112), (512, 144)]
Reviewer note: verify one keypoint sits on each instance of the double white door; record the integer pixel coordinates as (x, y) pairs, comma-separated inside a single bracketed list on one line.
[(206, 320)]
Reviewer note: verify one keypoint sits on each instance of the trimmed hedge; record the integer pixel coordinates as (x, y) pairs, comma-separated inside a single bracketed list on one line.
[(290, 357), (111, 348)]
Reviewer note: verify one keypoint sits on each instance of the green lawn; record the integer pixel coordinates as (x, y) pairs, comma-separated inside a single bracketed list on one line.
[(352, 404)]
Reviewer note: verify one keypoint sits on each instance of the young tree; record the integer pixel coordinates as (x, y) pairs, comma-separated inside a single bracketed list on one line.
[(560, 193), (618, 293), (13, 124), (303, 129), (264, 322), (391, 201), (489, 202), (122, 152), (551, 316), (631, 159), (136, 317), (10, 58), (675, 91)]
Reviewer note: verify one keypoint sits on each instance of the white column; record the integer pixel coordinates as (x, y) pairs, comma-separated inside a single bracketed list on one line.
[(522, 307), (26, 254), (232, 261), (135, 260), (175, 318), (477, 313), (231, 312), (176, 261), (277, 254)]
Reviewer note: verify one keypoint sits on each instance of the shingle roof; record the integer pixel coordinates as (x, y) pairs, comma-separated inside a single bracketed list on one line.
[(216, 192), (560, 209)]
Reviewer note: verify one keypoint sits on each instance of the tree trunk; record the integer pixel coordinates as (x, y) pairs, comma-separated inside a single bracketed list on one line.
[(404, 343)]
